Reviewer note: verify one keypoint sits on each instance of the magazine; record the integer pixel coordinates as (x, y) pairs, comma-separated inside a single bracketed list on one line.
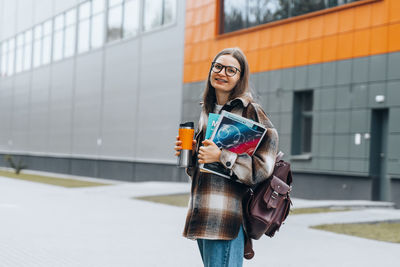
[(236, 134), (212, 122)]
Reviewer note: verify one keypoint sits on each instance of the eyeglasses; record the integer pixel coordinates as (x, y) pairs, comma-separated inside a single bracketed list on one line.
[(229, 70)]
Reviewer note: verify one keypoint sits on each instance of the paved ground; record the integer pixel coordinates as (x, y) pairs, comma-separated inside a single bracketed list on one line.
[(50, 226)]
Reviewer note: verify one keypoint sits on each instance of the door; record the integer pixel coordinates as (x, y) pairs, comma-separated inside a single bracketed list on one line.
[(378, 155)]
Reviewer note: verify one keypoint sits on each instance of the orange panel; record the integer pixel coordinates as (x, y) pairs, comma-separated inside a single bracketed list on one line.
[(362, 17), (380, 13), (188, 57), (263, 61), (346, 20), (204, 50), (188, 35), (394, 11), (316, 27), (345, 45), (196, 34), (252, 58), (254, 40), (315, 51), (265, 38), (208, 31), (331, 22), (329, 45), (276, 36), (276, 58), (189, 18), (394, 37), (243, 42), (301, 53), (210, 13), (288, 55), (190, 4), (379, 40), (188, 73), (301, 30), (362, 42), (289, 32)]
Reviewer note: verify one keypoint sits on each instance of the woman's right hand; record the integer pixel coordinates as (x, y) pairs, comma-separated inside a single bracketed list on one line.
[(178, 146)]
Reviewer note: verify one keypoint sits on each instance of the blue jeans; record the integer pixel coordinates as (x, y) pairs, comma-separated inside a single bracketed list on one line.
[(222, 253)]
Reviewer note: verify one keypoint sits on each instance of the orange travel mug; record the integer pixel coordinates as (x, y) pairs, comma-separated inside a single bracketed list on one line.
[(186, 134)]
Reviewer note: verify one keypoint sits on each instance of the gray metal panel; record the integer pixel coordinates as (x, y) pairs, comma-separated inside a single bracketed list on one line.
[(327, 98), (275, 81), (341, 146), (377, 67), (393, 93), (120, 100), (342, 121), (264, 82), (300, 80), (358, 166), (359, 96), (286, 101), (359, 121), (326, 121), (39, 110), (326, 146), (378, 88), (343, 97), (42, 10), (87, 104), (340, 165), (329, 73), (116, 170), (20, 112), (394, 120), (393, 146), (6, 107), (159, 110), (343, 72), (314, 76), (393, 66), (60, 110), (360, 70), (288, 79)]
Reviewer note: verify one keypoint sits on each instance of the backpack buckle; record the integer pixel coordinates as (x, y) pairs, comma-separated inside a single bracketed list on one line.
[(274, 195)]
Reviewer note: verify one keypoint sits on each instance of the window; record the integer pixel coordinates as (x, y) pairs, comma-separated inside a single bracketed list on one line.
[(114, 25), (70, 32), (3, 57), (19, 53), (97, 36), (37, 46), (241, 14), (46, 49), (84, 27), (11, 55), (28, 50), (131, 18), (158, 13), (302, 122), (58, 37)]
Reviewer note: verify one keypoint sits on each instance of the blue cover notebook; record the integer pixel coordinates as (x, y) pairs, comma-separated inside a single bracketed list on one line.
[(236, 134), (212, 122)]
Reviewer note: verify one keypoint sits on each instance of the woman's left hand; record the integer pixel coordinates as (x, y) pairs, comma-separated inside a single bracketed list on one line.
[(209, 152)]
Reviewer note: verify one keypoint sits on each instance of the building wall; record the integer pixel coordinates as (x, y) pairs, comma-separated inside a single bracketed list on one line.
[(346, 55), (120, 103)]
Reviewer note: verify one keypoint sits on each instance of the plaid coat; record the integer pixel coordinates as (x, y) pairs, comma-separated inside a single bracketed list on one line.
[(215, 206)]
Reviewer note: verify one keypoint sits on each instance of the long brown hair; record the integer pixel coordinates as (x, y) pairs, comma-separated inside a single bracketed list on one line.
[(242, 86)]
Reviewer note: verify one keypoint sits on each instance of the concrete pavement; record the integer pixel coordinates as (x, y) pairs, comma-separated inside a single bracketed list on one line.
[(44, 225)]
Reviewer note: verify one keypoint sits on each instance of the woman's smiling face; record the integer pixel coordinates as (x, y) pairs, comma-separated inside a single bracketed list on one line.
[(221, 81)]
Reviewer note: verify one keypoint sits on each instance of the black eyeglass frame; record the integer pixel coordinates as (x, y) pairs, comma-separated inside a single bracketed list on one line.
[(223, 67)]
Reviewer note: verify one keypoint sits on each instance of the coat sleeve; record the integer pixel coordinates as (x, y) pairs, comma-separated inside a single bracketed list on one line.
[(252, 170)]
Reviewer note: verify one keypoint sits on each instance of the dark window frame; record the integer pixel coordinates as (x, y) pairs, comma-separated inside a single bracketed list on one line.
[(303, 102)]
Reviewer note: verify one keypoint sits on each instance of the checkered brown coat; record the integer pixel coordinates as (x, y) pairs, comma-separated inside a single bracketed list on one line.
[(215, 206)]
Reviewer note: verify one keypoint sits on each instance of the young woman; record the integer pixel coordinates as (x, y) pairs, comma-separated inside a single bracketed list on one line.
[(215, 217)]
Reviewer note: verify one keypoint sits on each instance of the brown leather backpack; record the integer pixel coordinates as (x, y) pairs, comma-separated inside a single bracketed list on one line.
[(267, 206)]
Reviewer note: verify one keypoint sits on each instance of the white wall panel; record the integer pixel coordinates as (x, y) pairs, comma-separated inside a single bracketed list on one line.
[(39, 110), (61, 102), (120, 100), (6, 106), (24, 14), (63, 5), (8, 18), (21, 114), (160, 94), (43, 9), (87, 101)]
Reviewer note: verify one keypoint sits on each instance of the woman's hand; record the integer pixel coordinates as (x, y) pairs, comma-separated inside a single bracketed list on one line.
[(209, 152), (178, 146)]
